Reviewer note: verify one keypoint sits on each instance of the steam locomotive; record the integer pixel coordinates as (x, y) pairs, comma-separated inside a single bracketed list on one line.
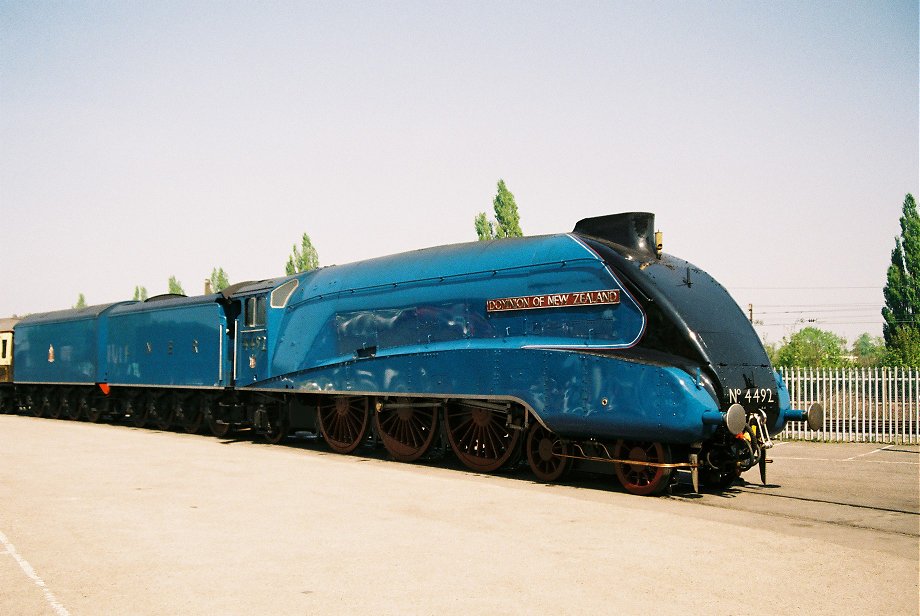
[(577, 348)]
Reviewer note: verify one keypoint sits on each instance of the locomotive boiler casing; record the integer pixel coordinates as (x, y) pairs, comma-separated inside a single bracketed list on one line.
[(420, 324)]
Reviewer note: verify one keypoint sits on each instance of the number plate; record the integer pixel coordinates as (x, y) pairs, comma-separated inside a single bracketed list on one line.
[(750, 396)]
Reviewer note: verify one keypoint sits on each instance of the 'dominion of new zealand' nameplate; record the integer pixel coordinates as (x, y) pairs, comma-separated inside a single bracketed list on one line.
[(554, 300)]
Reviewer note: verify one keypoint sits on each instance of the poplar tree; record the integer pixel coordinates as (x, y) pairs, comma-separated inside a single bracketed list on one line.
[(507, 219), (219, 280), (175, 286), (81, 301), (140, 293), (304, 259), (902, 291)]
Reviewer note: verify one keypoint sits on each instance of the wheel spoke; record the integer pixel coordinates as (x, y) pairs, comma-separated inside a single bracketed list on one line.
[(545, 453), (407, 431), (640, 478), (479, 438), (343, 423)]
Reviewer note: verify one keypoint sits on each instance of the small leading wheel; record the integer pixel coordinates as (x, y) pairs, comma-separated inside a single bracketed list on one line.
[(479, 436), (343, 422), (547, 454), (407, 431), (639, 478)]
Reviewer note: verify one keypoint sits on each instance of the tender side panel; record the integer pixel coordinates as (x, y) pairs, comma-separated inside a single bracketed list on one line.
[(163, 345), (56, 351)]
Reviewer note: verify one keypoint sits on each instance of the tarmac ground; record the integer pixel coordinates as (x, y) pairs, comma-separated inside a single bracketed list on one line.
[(110, 519)]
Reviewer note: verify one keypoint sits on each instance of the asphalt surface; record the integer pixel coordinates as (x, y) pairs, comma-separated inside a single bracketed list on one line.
[(106, 519)]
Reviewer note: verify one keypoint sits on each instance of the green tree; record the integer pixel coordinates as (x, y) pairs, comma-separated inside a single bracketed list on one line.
[(175, 286), (868, 350), (812, 348), (81, 301), (219, 279), (771, 348), (140, 293), (507, 219), (902, 290), (304, 259), (484, 228), (904, 349)]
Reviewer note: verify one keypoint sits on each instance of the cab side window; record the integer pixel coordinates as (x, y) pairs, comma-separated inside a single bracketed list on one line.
[(255, 311)]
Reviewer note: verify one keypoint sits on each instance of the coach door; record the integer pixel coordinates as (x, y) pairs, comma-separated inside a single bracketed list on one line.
[(6, 357)]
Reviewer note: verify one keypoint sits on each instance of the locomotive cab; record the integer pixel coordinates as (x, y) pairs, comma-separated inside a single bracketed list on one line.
[(258, 315)]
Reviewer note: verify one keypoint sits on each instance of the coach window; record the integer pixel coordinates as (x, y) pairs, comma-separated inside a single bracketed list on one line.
[(3, 351)]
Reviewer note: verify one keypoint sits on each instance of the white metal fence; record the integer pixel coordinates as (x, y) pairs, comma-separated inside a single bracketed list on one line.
[(872, 405)]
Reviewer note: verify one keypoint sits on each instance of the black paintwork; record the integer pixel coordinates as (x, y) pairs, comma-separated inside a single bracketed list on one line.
[(692, 320)]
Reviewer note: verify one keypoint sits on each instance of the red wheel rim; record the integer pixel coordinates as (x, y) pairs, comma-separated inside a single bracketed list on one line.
[(407, 431), (546, 454), (479, 437), (639, 478), (343, 422)]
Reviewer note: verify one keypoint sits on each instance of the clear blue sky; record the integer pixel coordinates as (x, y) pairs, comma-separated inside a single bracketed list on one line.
[(775, 141)]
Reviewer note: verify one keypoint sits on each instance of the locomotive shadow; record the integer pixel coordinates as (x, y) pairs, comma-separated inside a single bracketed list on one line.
[(578, 478), (446, 461)]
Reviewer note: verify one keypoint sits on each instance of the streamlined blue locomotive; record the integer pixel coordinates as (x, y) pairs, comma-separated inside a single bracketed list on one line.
[(585, 346)]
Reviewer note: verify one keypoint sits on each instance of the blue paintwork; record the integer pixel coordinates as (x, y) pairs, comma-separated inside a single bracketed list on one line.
[(785, 405), (253, 342), (185, 349), (416, 323), (434, 299), (75, 337), (407, 324)]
